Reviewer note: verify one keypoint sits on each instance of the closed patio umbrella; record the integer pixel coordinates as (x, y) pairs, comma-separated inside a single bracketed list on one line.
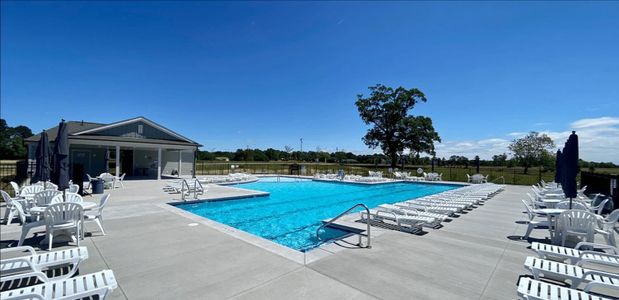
[(61, 157), (477, 164), (43, 155), (570, 165), (559, 167)]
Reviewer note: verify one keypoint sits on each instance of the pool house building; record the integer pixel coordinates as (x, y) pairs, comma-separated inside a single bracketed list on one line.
[(137, 147)]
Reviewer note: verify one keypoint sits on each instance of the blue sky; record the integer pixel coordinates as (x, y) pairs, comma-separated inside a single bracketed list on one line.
[(231, 75)]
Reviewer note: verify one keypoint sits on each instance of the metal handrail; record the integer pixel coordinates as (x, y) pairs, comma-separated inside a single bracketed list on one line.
[(183, 185), (341, 215), (196, 183)]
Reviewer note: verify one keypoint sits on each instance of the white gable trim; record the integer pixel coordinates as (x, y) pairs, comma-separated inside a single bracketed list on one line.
[(134, 120)]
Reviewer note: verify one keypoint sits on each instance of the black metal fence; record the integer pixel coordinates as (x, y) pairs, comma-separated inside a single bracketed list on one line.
[(514, 175), (18, 171), (601, 183)]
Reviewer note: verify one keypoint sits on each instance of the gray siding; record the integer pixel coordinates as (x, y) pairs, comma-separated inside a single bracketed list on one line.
[(131, 130)]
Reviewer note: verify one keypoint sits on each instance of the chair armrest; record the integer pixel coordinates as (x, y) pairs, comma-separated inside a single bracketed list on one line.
[(18, 249), (597, 261)]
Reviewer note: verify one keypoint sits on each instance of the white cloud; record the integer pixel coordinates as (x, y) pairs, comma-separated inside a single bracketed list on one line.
[(598, 141), (597, 122)]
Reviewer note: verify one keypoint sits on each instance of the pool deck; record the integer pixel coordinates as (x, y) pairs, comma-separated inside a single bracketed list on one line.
[(157, 253)]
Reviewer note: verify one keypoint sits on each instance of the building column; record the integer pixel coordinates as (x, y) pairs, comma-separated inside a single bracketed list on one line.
[(159, 163), (180, 162), (117, 161)]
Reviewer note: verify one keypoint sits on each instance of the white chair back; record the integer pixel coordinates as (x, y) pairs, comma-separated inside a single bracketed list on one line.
[(30, 190), (20, 211), (44, 198), (580, 221), (50, 186), (15, 187), (73, 188), (575, 205), (57, 199), (529, 210), (63, 213), (74, 198), (103, 202)]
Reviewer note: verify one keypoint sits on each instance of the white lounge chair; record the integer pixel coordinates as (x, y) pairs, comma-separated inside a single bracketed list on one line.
[(564, 272), (578, 255), (99, 284), (412, 210), (404, 223), (432, 208), (531, 289), (35, 264), (424, 220)]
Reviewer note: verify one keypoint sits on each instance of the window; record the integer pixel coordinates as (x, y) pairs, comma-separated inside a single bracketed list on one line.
[(140, 129)]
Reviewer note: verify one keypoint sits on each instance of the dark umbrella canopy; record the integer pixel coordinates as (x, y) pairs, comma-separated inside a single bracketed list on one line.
[(559, 167), (570, 166), (43, 155), (61, 157)]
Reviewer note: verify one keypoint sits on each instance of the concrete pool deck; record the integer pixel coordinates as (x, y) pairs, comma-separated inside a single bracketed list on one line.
[(156, 253)]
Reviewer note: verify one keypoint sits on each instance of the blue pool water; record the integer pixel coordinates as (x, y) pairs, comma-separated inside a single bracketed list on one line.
[(295, 208)]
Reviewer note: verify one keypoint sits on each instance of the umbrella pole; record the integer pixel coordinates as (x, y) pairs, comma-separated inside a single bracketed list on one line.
[(570, 203)]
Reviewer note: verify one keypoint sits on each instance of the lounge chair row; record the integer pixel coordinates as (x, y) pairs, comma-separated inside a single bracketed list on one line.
[(587, 264), (25, 267), (429, 211)]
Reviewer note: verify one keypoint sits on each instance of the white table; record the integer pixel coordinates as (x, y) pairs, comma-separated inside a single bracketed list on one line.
[(551, 214), (85, 205)]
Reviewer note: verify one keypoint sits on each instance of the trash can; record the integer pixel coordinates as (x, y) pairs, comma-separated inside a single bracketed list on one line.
[(97, 186)]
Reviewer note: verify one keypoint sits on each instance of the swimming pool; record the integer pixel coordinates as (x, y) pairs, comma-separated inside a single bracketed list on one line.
[(295, 208)]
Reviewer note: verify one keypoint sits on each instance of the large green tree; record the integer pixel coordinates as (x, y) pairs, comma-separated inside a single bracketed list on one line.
[(393, 128), (531, 149), (12, 144)]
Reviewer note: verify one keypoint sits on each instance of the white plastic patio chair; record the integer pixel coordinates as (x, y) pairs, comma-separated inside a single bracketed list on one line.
[(26, 226), (63, 216), (44, 197), (16, 188), (91, 286), (121, 179), (30, 190), (607, 227), (97, 216), (73, 188), (10, 211), (23, 267), (532, 223), (89, 181), (74, 198), (575, 205), (576, 222)]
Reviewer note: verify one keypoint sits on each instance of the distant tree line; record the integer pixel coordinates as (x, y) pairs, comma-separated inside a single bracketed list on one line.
[(269, 155), (12, 144)]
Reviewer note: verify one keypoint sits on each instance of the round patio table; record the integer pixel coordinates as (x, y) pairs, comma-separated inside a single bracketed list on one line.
[(552, 214), (86, 205)]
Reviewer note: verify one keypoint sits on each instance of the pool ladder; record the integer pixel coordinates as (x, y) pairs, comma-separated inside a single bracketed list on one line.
[(197, 189), (367, 235)]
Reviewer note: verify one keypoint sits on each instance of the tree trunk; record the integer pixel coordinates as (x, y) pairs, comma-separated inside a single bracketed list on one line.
[(394, 159), (526, 169)]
